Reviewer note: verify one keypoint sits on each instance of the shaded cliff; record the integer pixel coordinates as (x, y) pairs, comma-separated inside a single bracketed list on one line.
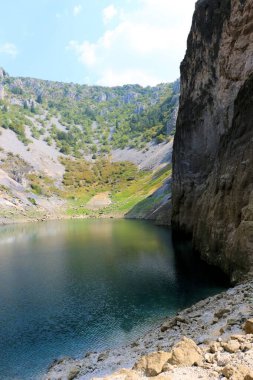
[(213, 146)]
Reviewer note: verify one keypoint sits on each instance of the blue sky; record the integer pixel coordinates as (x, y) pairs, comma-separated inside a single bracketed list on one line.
[(95, 41)]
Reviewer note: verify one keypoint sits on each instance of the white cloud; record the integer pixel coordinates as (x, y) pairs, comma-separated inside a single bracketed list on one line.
[(146, 46), (77, 9), (115, 78), (109, 13), (86, 52), (9, 49)]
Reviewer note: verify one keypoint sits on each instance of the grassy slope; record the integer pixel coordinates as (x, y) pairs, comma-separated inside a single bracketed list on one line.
[(125, 199)]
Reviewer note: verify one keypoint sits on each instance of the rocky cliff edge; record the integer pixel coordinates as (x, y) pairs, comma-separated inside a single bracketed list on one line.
[(213, 147)]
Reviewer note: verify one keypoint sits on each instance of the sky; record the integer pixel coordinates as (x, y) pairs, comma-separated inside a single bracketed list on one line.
[(95, 42)]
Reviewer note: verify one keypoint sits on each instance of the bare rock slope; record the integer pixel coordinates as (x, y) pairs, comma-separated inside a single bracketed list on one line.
[(213, 154)]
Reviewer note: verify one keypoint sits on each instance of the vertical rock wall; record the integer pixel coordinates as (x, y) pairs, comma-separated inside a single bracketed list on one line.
[(213, 147)]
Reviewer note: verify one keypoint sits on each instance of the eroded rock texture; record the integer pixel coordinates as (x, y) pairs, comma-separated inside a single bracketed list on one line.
[(213, 147)]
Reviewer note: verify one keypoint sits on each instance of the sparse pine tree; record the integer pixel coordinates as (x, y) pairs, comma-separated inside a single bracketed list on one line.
[(39, 99), (33, 110)]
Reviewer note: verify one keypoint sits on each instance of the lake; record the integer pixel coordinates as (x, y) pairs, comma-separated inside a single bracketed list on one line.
[(68, 287)]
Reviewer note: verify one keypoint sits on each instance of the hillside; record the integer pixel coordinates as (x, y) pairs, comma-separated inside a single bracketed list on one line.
[(62, 144)]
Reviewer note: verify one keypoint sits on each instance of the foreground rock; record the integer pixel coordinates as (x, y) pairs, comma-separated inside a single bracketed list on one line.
[(152, 364), (213, 156), (202, 340), (208, 364), (185, 353)]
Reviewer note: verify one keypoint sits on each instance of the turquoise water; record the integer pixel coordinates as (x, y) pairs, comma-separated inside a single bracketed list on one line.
[(74, 286)]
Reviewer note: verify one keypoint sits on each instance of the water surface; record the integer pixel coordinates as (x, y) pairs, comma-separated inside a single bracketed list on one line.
[(73, 286)]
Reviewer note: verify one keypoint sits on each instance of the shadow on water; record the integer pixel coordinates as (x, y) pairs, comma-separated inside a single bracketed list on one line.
[(191, 269)]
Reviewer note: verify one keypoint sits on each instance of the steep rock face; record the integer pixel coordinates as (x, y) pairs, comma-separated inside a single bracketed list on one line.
[(213, 146)]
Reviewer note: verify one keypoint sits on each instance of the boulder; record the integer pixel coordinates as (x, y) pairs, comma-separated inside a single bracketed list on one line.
[(214, 347), (231, 346), (74, 371), (221, 312), (167, 367), (169, 324), (248, 326), (132, 375), (241, 372), (185, 353), (152, 364), (103, 356), (122, 374)]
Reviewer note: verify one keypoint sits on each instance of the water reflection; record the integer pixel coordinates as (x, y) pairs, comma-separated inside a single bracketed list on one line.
[(72, 286)]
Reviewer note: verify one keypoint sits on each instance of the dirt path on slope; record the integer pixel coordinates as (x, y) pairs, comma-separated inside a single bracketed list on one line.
[(99, 201)]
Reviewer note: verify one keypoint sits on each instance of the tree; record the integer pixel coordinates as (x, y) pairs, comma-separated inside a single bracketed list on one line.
[(33, 110), (39, 99)]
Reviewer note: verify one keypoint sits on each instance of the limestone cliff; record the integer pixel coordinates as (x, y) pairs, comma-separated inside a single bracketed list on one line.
[(213, 147)]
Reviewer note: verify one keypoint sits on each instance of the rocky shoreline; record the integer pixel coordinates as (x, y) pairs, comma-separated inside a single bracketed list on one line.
[(48, 218), (215, 328)]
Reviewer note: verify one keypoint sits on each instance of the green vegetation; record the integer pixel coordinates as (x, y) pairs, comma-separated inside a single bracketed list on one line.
[(128, 116), (32, 201), (95, 119), (127, 188), (125, 199), (42, 185), (15, 166), (102, 175), (12, 118)]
